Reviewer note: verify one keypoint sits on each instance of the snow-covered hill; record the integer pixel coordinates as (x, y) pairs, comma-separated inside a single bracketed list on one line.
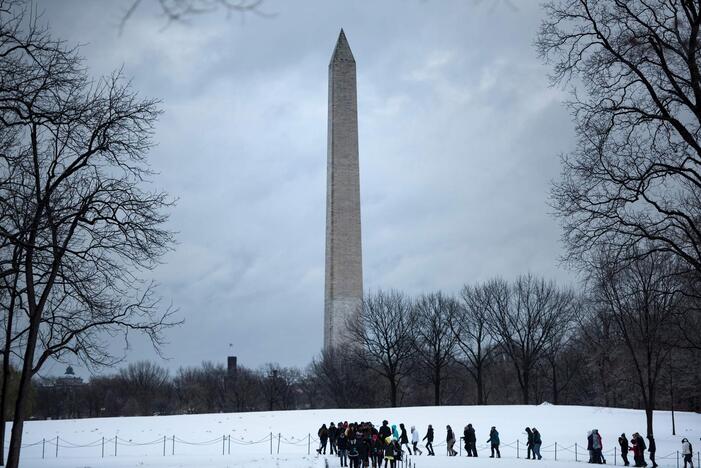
[(244, 439)]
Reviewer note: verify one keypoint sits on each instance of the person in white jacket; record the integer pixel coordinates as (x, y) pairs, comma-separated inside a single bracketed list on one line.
[(415, 440), (688, 453)]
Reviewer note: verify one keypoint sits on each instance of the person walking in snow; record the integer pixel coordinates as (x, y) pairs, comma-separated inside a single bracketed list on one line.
[(378, 451), (638, 448), (404, 438), (385, 431), (687, 453), (389, 453), (450, 441), (529, 443), (623, 443), (429, 440), (353, 452), (652, 448), (363, 450), (590, 446), (537, 442), (395, 432), (595, 447), (470, 441), (333, 436), (494, 442), (323, 434), (342, 447), (415, 440)]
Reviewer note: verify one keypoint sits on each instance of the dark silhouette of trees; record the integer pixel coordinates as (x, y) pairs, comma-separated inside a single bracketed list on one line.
[(76, 225), (434, 341), (472, 339), (527, 318), (634, 179), (384, 334), (641, 297)]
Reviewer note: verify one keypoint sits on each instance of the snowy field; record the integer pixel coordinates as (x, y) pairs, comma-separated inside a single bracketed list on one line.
[(247, 439)]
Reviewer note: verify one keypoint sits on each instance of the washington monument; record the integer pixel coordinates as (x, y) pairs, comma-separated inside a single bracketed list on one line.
[(344, 266)]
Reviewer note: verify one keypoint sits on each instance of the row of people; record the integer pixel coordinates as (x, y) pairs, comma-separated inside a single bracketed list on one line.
[(365, 442)]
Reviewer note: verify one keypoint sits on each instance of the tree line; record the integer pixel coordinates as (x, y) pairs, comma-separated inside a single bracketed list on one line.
[(628, 340)]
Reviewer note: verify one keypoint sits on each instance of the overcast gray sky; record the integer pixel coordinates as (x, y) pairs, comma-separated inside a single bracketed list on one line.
[(460, 136)]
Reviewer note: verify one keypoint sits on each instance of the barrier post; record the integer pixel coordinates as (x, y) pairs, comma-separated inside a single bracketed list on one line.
[(615, 455), (575, 451), (309, 443), (271, 443), (57, 448), (103, 447), (43, 447), (173, 444), (517, 449), (115, 445), (229, 445), (278, 443), (461, 438), (555, 451), (677, 458), (223, 444), (164, 446)]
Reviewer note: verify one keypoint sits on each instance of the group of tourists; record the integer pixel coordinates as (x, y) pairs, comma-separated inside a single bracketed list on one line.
[(363, 445)]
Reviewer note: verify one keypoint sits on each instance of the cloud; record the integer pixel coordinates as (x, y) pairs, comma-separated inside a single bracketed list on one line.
[(459, 138)]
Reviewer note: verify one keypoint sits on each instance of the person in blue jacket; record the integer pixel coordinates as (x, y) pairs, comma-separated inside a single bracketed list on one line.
[(494, 442)]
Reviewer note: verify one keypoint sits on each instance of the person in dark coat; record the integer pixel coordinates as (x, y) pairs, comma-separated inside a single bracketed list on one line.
[(652, 448), (404, 438), (623, 443), (342, 446), (385, 430), (333, 435), (353, 453), (537, 442), (363, 451), (429, 440), (590, 446), (494, 442), (529, 443), (470, 441), (323, 434)]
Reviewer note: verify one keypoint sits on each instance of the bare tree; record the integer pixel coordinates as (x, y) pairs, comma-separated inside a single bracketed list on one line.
[(469, 325), (384, 332), (635, 178), (183, 11), (434, 341), (641, 298), (526, 318), (73, 208), (147, 388)]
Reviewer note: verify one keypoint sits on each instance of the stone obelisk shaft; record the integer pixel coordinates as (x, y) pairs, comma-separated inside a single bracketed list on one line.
[(344, 270)]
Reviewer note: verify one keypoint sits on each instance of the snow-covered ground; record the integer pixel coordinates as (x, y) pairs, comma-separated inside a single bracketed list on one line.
[(244, 439)]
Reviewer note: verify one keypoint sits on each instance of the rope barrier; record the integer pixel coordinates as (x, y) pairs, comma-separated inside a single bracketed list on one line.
[(577, 453)]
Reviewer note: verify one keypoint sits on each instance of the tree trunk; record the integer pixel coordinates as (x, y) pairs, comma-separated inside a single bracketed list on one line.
[(555, 392), (525, 387), (480, 385), (22, 400), (437, 388), (393, 392)]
